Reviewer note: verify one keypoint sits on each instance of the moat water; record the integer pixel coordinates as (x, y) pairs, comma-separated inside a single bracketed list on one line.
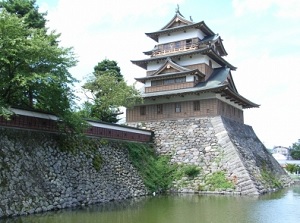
[(278, 207)]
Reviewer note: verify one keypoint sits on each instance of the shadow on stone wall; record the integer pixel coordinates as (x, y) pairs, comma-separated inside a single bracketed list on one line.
[(264, 170)]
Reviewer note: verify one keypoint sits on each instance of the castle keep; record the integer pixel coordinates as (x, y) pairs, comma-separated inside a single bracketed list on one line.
[(187, 76), (196, 113)]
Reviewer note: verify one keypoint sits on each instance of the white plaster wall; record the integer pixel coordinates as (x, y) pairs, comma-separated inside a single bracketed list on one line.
[(181, 35), (154, 65), (190, 78), (148, 84), (196, 59)]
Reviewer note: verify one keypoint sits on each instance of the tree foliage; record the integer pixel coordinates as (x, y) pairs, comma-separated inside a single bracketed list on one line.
[(108, 67), (27, 10), (295, 150), (108, 91), (33, 67)]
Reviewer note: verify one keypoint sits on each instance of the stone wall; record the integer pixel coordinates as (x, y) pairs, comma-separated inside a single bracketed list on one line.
[(218, 144), (35, 175)]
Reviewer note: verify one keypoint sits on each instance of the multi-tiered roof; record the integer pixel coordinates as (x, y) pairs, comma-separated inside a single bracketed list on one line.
[(182, 48)]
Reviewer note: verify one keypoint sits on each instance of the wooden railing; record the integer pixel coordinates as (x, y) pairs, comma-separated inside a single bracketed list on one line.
[(178, 46)]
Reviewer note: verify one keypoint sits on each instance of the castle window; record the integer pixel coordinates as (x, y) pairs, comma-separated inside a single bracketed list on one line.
[(196, 105), (159, 109), (177, 107), (180, 80), (177, 45), (157, 83), (167, 46), (169, 81), (143, 110), (210, 64), (188, 42)]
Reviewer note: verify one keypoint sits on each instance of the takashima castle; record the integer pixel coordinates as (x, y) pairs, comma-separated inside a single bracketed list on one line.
[(196, 113), (187, 76)]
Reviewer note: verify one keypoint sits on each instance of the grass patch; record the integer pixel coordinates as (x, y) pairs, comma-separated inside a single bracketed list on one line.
[(156, 171), (186, 170), (218, 181), (270, 179), (97, 162)]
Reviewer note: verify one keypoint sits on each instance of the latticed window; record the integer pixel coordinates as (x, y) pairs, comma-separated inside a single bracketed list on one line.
[(177, 45), (159, 109), (196, 105), (157, 83), (169, 81), (143, 110), (177, 107), (180, 80)]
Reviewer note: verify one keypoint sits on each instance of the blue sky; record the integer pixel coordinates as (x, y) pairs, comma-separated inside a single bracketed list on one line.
[(261, 38)]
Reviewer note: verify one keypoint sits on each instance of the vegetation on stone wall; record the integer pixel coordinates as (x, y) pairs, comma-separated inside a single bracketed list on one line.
[(156, 170), (97, 162), (269, 178), (187, 170), (218, 180)]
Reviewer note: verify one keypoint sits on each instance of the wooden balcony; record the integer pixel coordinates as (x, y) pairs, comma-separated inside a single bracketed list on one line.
[(175, 47)]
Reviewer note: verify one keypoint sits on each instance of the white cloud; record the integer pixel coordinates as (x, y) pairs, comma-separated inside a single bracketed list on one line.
[(96, 30), (272, 82), (284, 9), (288, 9), (242, 7)]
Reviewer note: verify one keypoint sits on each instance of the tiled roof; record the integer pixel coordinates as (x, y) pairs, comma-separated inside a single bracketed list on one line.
[(169, 75), (200, 25), (207, 51), (217, 83)]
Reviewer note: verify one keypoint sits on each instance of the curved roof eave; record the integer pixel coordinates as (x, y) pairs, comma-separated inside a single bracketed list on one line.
[(173, 64), (206, 51), (177, 74), (222, 89), (239, 99), (200, 25), (180, 17), (222, 46)]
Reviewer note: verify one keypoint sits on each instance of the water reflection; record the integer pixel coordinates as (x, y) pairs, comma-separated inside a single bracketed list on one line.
[(280, 207)]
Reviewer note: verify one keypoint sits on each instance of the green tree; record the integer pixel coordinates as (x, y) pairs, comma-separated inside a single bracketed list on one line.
[(33, 68), (26, 9), (107, 91), (108, 67), (295, 150)]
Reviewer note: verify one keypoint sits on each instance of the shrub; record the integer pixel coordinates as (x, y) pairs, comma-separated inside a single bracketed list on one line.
[(97, 162), (218, 181), (190, 171), (270, 178), (156, 171)]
